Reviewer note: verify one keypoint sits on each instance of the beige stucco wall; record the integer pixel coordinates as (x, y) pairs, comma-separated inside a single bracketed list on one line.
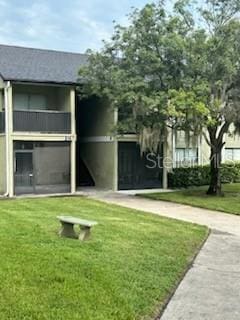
[(96, 118), (1, 99), (182, 141), (1, 83), (96, 145), (205, 151), (2, 164), (232, 141), (100, 160), (63, 97), (58, 98)]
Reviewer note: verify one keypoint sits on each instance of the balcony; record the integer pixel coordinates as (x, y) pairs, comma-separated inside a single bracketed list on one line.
[(2, 122), (42, 121)]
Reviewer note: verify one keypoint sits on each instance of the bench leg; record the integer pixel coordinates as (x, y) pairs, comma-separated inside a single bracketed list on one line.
[(67, 230), (84, 233)]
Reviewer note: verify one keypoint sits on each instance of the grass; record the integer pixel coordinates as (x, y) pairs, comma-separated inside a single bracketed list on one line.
[(229, 203), (126, 271)]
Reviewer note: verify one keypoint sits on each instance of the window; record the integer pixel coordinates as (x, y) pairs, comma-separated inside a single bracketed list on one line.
[(232, 154), (37, 102), (29, 102), (20, 102), (186, 155)]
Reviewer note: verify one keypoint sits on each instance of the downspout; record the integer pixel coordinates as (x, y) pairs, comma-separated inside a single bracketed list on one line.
[(7, 135)]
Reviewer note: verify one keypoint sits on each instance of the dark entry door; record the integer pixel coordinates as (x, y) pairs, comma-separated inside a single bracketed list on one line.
[(24, 175), (136, 171)]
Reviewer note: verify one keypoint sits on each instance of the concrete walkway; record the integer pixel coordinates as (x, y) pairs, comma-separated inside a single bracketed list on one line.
[(211, 288)]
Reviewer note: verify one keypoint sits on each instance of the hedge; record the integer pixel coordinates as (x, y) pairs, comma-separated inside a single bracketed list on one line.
[(200, 175)]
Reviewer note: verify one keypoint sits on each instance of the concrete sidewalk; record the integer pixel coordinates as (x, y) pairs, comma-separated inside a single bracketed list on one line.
[(213, 219), (211, 288)]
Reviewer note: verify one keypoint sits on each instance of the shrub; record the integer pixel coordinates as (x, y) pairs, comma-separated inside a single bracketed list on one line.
[(200, 175), (230, 172)]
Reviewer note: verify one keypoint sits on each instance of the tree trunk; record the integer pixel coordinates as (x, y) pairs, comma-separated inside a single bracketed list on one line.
[(216, 143), (215, 187)]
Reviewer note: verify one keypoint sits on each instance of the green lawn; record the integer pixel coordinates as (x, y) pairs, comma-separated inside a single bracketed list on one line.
[(126, 271), (197, 197)]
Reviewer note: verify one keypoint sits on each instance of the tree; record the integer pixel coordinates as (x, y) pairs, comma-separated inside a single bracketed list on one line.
[(167, 70), (213, 81)]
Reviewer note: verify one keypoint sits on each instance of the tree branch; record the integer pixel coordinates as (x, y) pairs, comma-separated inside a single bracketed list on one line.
[(223, 130), (206, 138)]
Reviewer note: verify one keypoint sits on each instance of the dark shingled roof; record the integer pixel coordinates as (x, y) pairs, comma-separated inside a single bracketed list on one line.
[(37, 65)]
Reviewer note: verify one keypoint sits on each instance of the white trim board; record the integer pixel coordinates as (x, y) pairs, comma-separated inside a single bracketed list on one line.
[(97, 139)]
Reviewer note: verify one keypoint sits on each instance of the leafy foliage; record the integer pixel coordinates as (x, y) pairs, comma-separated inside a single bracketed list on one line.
[(200, 175), (178, 70), (136, 70)]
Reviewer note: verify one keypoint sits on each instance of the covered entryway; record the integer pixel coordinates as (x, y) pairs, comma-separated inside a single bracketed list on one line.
[(84, 178), (41, 167), (95, 157), (136, 171)]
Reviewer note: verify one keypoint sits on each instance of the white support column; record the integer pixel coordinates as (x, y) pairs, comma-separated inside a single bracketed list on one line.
[(174, 148), (73, 165), (115, 175), (73, 140), (9, 140), (200, 161), (165, 164)]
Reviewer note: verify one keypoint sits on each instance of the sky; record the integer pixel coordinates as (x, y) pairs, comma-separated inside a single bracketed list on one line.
[(67, 25)]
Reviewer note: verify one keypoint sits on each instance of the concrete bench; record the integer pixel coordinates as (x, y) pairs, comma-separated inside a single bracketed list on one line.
[(67, 229)]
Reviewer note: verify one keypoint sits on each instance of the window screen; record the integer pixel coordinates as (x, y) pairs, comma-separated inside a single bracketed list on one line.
[(20, 101), (29, 102), (37, 102), (184, 155), (232, 154)]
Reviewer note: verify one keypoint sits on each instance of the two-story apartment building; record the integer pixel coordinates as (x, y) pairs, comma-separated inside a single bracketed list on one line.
[(37, 120), (50, 141), (53, 142)]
